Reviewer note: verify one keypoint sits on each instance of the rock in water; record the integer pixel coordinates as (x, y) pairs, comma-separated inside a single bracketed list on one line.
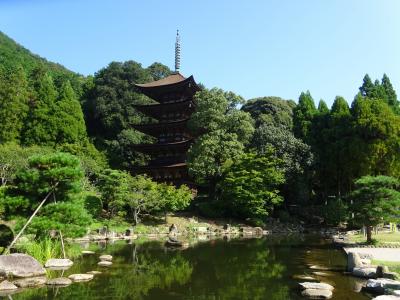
[(30, 282), (366, 272), (106, 257), (80, 277), (7, 286), (304, 277), (58, 263), (20, 265), (316, 286), (317, 294), (353, 261), (61, 281), (386, 297), (87, 252), (105, 263)]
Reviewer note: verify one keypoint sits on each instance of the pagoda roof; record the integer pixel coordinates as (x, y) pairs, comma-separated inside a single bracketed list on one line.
[(175, 82), (155, 110), (156, 128), (161, 147), (171, 79)]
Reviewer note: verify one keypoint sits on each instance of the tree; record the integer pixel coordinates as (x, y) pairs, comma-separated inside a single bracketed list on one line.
[(174, 199), (224, 131), (250, 186), (207, 156), (270, 110), (303, 115), (41, 125), (158, 71), (390, 92), (375, 200), (14, 96), (296, 157), (57, 174), (367, 87), (71, 126), (322, 107), (110, 113)]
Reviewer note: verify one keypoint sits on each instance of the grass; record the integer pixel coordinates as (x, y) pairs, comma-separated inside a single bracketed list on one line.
[(47, 248), (380, 238)]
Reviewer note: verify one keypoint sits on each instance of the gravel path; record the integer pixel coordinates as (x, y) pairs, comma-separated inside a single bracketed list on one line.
[(386, 254)]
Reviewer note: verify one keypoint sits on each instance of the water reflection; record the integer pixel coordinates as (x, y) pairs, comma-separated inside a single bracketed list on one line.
[(218, 269)]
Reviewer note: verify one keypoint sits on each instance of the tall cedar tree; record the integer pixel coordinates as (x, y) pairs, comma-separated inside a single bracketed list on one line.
[(14, 95), (303, 115)]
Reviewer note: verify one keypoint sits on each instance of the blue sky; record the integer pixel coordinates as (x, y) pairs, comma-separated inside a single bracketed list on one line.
[(254, 48)]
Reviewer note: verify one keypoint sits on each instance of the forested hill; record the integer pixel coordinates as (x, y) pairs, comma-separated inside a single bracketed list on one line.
[(12, 55)]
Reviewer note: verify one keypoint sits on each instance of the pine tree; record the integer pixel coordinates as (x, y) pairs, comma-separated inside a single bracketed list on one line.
[(340, 106), (70, 123), (40, 127), (322, 107), (303, 115), (367, 87), (389, 91), (14, 94)]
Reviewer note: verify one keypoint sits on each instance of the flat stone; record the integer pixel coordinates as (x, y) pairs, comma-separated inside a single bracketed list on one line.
[(7, 286), (315, 267), (396, 293), (383, 283), (106, 257), (364, 272), (58, 263), (317, 293), (80, 277), (316, 286), (386, 297), (104, 263), (88, 252), (63, 281), (30, 282), (353, 261), (20, 265), (94, 272)]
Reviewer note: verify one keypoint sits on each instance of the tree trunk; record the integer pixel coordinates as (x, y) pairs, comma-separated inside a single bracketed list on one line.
[(369, 234), (135, 216)]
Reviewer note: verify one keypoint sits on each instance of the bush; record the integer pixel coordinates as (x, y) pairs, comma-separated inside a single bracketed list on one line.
[(335, 212), (93, 204)]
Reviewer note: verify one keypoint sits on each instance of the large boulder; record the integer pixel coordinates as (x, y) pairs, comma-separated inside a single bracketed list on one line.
[(364, 272), (58, 263), (353, 261), (20, 265)]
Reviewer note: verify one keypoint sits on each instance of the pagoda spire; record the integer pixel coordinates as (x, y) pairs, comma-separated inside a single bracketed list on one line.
[(177, 52)]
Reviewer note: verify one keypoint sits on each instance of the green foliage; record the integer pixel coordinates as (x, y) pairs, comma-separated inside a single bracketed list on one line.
[(322, 107), (14, 93), (174, 199), (250, 186), (271, 111), (223, 130), (335, 212), (110, 112), (47, 248), (93, 204), (303, 115), (60, 174), (376, 200)]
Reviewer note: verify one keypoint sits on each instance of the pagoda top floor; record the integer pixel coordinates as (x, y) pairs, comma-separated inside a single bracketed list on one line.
[(173, 88)]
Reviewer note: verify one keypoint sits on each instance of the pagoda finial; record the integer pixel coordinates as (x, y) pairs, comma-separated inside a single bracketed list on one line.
[(177, 52)]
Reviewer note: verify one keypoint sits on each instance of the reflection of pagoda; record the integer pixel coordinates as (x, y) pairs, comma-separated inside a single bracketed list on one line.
[(174, 95)]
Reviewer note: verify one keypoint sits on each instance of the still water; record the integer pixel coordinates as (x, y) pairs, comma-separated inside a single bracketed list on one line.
[(217, 269)]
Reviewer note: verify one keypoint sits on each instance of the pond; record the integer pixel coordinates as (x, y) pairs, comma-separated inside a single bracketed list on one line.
[(217, 269)]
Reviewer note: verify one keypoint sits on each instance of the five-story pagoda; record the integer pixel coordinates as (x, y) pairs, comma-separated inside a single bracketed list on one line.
[(174, 95)]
